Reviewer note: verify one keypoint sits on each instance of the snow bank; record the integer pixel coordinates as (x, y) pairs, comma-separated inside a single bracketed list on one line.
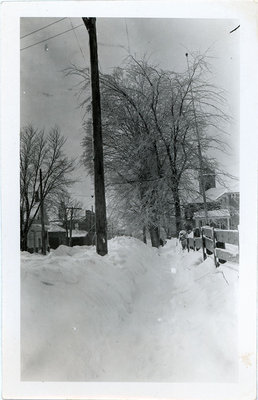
[(137, 314)]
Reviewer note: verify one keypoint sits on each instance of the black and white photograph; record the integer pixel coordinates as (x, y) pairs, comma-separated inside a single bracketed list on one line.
[(129, 221)]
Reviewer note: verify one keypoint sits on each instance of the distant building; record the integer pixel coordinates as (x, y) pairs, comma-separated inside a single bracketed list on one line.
[(80, 238), (34, 238), (222, 206), (218, 218), (87, 223), (57, 235), (83, 231)]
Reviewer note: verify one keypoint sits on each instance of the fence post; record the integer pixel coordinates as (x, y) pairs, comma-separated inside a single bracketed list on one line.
[(203, 245), (214, 247), (220, 245)]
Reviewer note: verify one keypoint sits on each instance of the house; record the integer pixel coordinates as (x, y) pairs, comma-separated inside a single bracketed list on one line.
[(57, 235), (86, 224), (222, 207), (34, 238), (218, 218), (79, 238), (83, 231)]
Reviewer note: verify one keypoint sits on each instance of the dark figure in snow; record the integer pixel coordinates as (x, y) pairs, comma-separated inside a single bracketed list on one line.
[(183, 239), (163, 236), (197, 232)]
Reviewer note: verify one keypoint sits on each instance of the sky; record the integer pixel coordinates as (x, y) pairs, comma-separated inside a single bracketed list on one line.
[(48, 97)]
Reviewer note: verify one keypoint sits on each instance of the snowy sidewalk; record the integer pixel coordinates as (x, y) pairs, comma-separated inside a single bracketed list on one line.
[(137, 314)]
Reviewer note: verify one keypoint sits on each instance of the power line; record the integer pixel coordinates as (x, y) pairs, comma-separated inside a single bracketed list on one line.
[(43, 27), (77, 41), (51, 37), (81, 195), (126, 28)]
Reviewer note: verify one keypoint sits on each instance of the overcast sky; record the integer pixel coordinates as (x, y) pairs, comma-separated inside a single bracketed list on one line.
[(48, 97)]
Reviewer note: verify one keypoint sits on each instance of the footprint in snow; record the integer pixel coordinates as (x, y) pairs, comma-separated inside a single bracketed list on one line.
[(47, 283)]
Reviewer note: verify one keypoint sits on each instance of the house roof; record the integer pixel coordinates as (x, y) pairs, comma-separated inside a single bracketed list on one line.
[(55, 228), (79, 233), (221, 213), (214, 194)]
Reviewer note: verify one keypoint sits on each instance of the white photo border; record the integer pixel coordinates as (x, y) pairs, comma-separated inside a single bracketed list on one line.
[(12, 386)]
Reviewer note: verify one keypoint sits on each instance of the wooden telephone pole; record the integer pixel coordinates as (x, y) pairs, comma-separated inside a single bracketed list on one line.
[(100, 201), (43, 234)]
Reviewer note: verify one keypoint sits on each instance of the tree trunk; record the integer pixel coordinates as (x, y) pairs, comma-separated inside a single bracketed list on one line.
[(24, 230), (23, 241), (144, 234), (66, 236), (21, 230), (65, 225), (177, 210), (154, 234)]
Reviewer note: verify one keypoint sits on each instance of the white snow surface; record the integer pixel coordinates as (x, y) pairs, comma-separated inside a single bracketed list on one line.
[(136, 314)]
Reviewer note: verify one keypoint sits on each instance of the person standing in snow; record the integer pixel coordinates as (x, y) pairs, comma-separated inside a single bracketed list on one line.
[(183, 239), (197, 232), (163, 237)]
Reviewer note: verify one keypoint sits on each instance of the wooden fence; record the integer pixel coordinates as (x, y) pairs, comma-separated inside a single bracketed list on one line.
[(215, 241)]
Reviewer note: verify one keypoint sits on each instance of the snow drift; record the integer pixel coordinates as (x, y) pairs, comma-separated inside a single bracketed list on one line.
[(137, 314)]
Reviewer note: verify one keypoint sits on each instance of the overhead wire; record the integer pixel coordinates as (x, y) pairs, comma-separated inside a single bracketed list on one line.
[(43, 27), (127, 34), (61, 33), (51, 37), (77, 41), (82, 195)]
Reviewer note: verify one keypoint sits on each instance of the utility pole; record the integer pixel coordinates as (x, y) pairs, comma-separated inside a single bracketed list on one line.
[(199, 149), (71, 227), (43, 249), (100, 201), (71, 223)]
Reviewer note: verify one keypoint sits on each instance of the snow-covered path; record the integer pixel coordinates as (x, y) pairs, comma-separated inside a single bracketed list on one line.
[(137, 314)]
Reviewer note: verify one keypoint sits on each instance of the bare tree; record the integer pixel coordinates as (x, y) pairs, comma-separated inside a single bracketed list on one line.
[(176, 104), (45, 152), (128, 160), (149, 121)]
